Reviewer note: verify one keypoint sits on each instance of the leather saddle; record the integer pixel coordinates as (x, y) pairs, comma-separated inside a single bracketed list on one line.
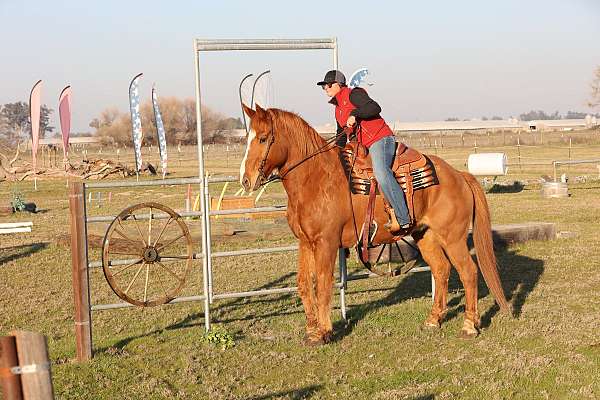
[(412, 169)]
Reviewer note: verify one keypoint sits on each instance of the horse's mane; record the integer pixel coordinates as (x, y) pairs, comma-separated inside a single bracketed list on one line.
[(297, 131)]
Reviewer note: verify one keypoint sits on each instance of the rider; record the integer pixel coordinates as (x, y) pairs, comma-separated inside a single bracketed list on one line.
[(355, 105)]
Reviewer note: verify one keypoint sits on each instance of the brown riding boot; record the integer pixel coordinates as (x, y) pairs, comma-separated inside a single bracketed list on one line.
[(394, 226)]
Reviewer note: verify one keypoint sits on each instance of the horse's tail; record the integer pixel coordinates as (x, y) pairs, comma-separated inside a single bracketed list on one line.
[(482, 238)]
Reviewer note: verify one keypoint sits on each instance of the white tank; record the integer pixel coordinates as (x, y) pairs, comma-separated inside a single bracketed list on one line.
[(487, 164)]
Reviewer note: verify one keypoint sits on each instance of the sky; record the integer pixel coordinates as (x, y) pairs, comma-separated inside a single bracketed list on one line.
[(428, 60)]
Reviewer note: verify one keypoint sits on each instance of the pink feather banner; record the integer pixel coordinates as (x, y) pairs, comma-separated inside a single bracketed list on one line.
[(34, 117), (64, 111)]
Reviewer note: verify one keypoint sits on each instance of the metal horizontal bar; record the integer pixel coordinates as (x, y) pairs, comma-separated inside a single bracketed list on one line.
[(109, 218), (248, 210), (98, 264), (373, 275), (264, 41), (221, 179), (140, 217), (593, 161), (264, 44), (254, 251), (100, 307), (154, 182), (263, 292), (254, 293)]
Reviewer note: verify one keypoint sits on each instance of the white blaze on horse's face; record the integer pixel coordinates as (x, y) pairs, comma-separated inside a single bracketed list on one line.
[(244, 180)]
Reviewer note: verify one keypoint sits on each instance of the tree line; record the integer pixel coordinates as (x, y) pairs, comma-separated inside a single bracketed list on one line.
[(179, 120), (15, 124)]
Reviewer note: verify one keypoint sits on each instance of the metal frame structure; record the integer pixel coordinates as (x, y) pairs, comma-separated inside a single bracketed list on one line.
[(80, 219)]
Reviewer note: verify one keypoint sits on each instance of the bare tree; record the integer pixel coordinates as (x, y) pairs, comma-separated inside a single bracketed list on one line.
[(179, 119)]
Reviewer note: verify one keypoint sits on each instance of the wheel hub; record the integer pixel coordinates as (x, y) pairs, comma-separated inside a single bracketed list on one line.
[(150, 254)]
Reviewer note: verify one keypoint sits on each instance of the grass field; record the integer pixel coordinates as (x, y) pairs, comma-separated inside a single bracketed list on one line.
[(549, 350)]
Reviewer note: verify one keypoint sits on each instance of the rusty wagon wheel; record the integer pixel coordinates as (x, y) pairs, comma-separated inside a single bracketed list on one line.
[(147, 254)]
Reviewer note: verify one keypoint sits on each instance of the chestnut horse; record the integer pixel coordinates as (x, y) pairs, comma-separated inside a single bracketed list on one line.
[(320, 214)]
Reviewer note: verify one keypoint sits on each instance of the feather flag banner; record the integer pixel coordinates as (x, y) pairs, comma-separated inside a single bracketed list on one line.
[(358, 77), (34, 118), (136, 120), (160, 132), (64, 111)]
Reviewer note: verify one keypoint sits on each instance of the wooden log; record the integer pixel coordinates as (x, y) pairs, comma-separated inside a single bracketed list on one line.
[(79, 267), (6, 210), (11, 383), (36, 377), (503, 235)]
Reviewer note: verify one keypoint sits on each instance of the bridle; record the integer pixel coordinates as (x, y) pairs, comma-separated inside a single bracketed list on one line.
[(262, 178)]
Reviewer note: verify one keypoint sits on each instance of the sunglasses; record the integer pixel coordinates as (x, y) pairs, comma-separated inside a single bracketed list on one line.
[(327, 86)]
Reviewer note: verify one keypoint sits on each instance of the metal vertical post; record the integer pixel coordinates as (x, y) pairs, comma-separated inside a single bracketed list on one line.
[(203, 206), (341, 251), (79, 264), (343, 281), (208, 242)]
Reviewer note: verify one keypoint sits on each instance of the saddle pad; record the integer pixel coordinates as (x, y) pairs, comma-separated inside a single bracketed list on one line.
[(412, 169)]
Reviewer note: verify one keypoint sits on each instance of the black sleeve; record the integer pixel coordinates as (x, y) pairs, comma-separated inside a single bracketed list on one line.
[(366, 107), (342, 139)]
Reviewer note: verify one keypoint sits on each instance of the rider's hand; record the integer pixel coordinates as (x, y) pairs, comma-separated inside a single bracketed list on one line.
[(351, 121)]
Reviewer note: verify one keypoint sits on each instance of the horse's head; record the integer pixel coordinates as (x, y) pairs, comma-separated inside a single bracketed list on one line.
[(264, 154)]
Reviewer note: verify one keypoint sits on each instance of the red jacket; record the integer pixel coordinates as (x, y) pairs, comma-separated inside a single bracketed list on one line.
[(370, 129)]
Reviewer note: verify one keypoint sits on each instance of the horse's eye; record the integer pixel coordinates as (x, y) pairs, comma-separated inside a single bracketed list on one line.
[(262, 140)]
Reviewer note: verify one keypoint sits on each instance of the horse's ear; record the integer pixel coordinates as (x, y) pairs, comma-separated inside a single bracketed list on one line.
[(259, 109), (249, 112)]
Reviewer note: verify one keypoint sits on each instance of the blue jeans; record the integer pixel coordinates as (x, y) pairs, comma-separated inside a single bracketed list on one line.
[(382, 155)]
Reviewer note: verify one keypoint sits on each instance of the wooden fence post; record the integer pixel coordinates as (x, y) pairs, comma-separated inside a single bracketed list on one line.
[(36, 378), (519, 150), (79, 264), (570, 147), (11, 383)]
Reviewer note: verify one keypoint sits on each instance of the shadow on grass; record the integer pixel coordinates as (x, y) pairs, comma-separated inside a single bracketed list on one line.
[(519, 276), (13, 253), (303, 393), (196, 319)]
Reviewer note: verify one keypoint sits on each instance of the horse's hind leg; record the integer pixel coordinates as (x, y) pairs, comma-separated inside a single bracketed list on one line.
[(306, 288), (433, 254), (467, 270)]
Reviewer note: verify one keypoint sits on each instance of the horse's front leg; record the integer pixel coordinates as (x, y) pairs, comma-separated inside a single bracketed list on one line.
[(306, 288), (325, 254)]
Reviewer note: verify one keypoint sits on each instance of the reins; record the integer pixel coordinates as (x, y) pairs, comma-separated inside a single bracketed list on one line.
[(274, 178)]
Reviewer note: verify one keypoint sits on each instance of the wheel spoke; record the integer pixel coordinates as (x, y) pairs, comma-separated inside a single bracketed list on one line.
[(150, 227), (135, 277), (177, 257), (162, 231), (139, 230), (126, 267), (170, 242), (146, 285), (123, 235), (169, 271), (123, 253)]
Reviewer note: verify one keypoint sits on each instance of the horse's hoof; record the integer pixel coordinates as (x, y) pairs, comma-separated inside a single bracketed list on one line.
[(310, 342), (318, 340), (327, 337), (431, 324), (467, 334), (469, 330)]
